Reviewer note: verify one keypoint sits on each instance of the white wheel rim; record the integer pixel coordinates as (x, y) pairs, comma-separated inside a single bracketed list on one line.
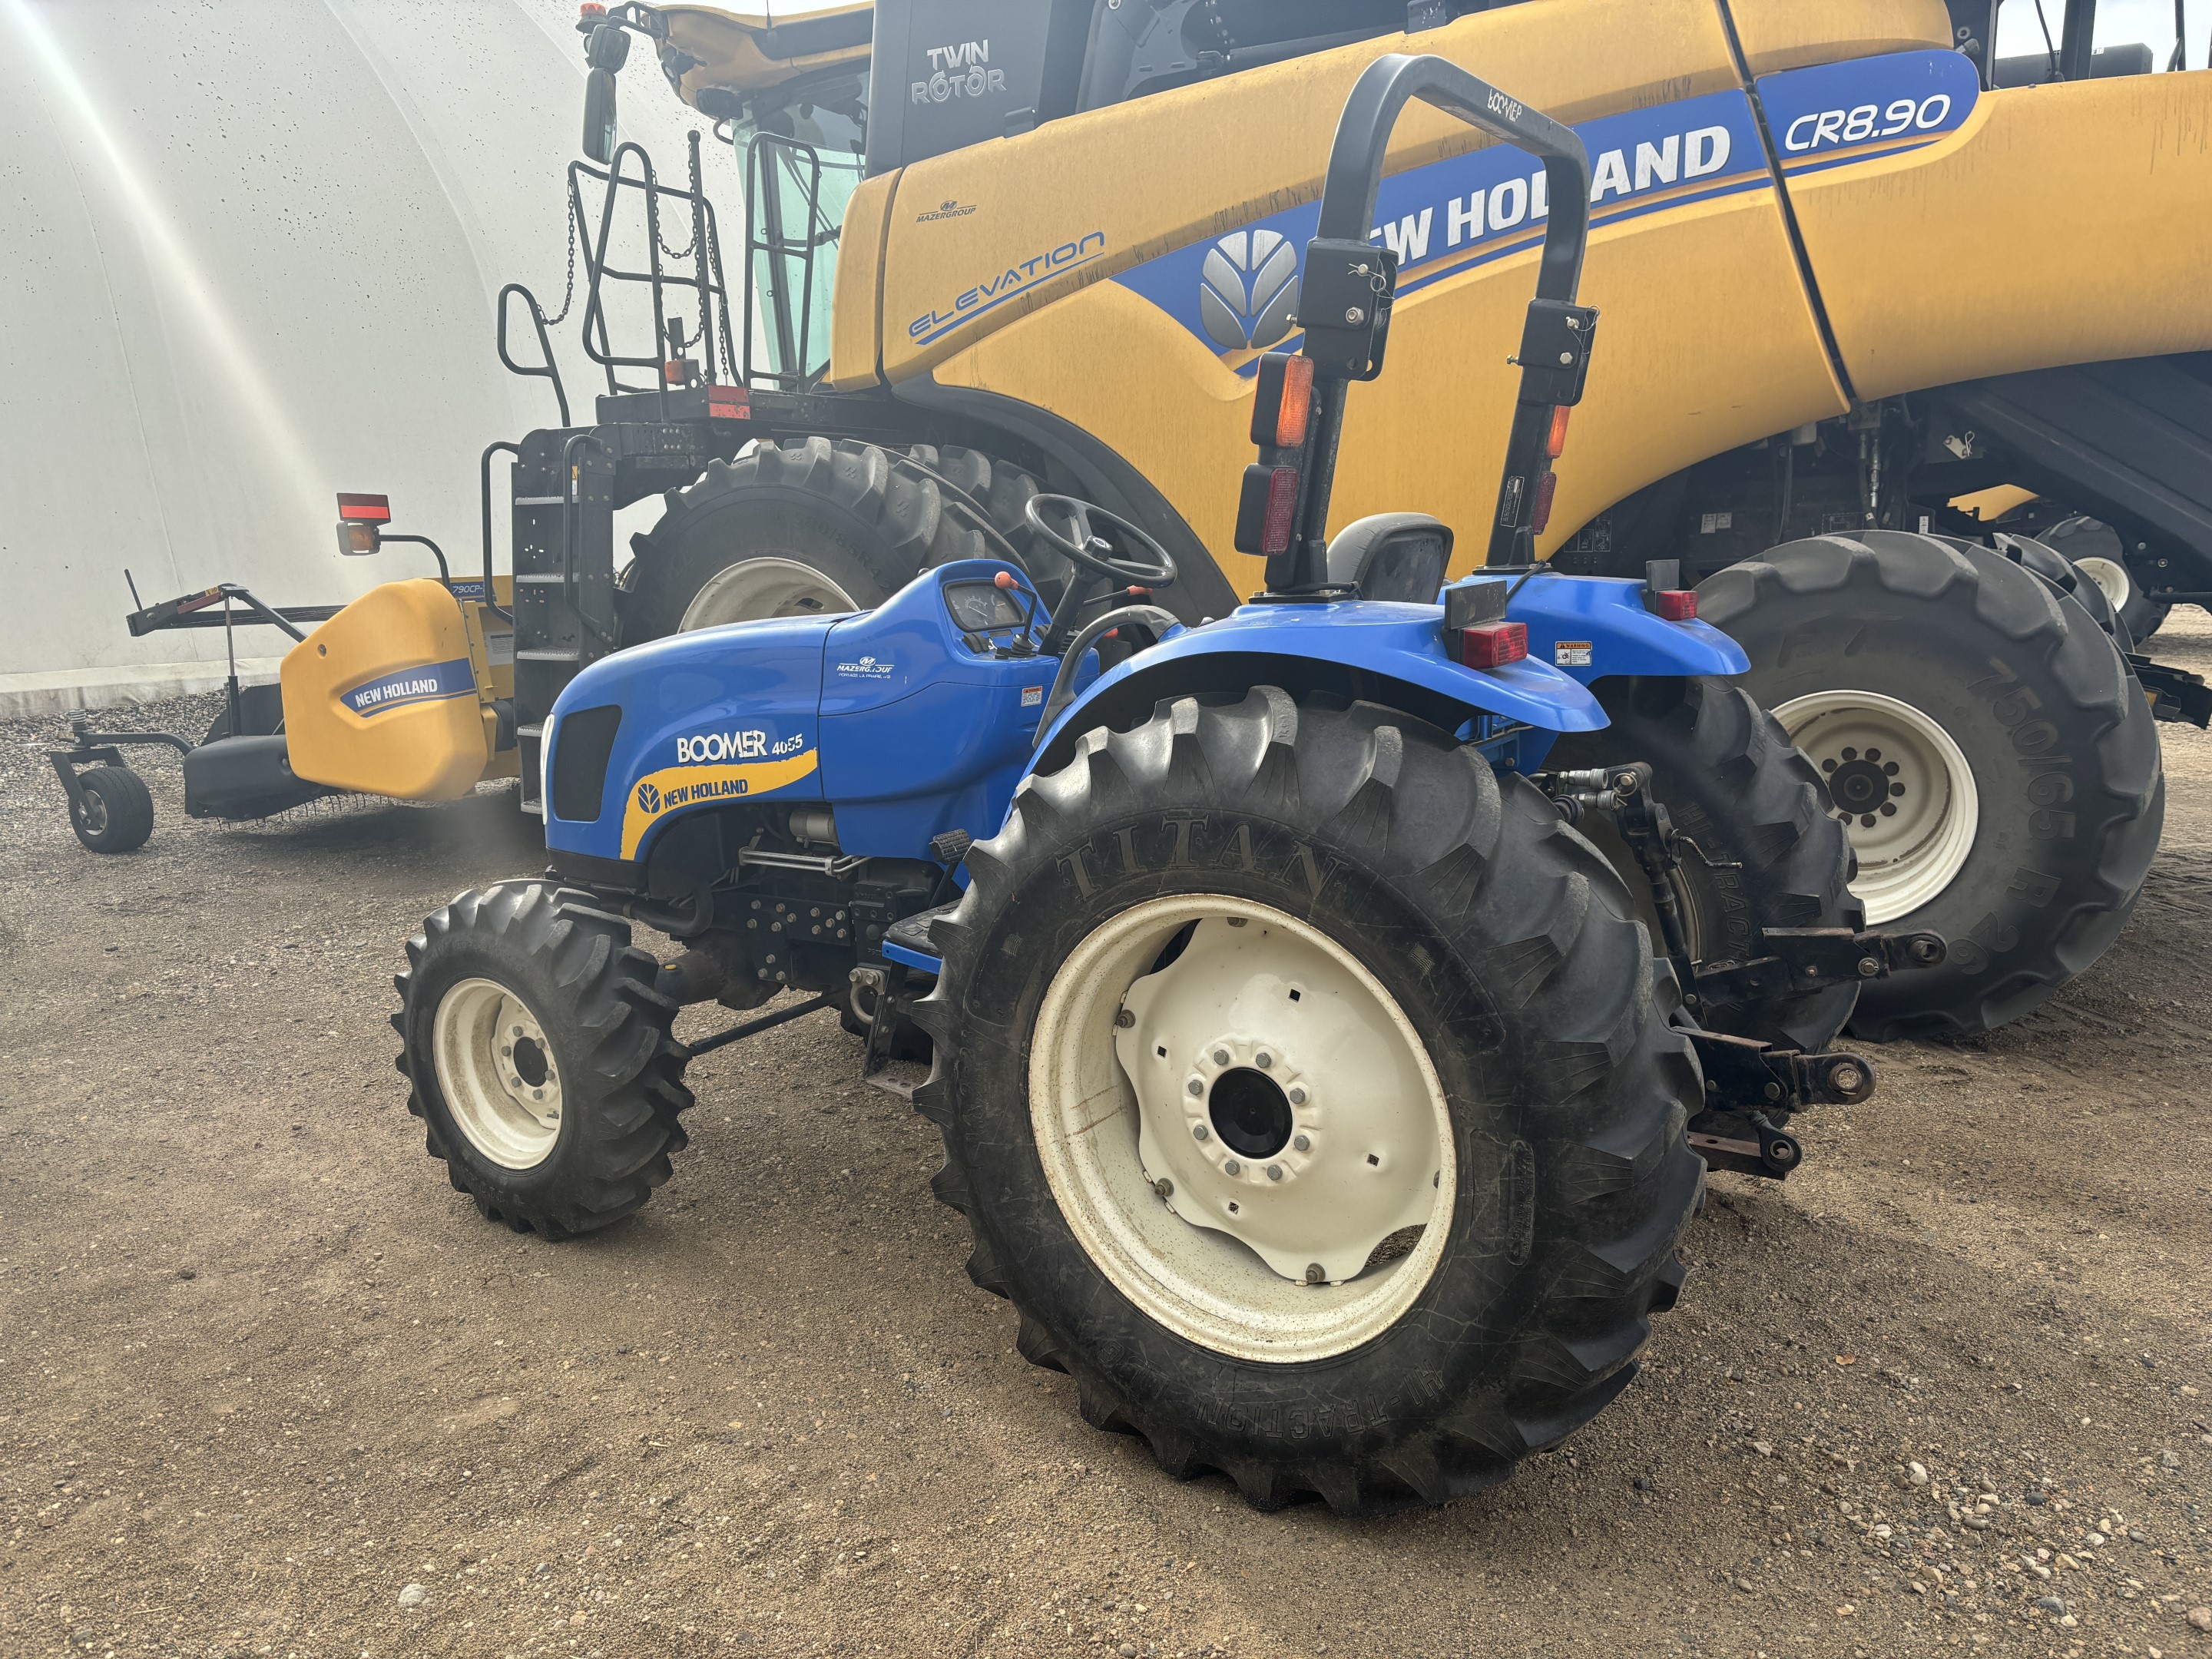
[(1222, 1256), (497, 1072), (91, 807), (754, 589), (1863, 743), (2111, 579)]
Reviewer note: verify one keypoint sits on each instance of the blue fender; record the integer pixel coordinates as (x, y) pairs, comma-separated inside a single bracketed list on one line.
[(1594, 628), (1398, 641)]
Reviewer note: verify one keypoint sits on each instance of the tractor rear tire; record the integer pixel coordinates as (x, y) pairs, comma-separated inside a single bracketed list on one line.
[(1993, 714), (112, 810), (810, 527), (1734, 783), (539, 1056), (1409, 996)]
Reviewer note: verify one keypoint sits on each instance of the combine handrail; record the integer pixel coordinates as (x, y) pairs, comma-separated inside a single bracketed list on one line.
[(551, 370)]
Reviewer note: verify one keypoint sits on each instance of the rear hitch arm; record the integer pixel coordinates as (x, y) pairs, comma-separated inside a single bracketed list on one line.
[(1752, 1089), (1804, 959)]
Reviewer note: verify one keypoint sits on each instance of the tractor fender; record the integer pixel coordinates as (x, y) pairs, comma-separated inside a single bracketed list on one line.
[(1361, 649), (1594, 628)]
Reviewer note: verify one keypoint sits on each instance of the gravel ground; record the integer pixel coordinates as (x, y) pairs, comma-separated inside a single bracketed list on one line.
[(268, 1386)]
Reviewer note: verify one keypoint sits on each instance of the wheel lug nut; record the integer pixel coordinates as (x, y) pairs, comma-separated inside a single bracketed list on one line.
[(538, 1094), (1315, 1273), (505, 1050), (1263, 1060), (1298, 1097), (1232, 1167), (1125, 1019), (1197, 1087), (1303, 1143), (1274, 1172), (1199, 1132), (1221, 1056)]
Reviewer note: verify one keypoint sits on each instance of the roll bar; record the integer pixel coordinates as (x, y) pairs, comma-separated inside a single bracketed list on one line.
[(1349, 284), (1363, 135)]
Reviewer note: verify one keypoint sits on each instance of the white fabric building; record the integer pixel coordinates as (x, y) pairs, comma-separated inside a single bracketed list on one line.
[(252, 253)]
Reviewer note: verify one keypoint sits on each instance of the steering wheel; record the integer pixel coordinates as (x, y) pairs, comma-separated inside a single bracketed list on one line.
[(1084, 546)]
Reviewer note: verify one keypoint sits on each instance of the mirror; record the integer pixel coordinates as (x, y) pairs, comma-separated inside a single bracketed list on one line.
[(599, 116), (607, 47), (357, 540)]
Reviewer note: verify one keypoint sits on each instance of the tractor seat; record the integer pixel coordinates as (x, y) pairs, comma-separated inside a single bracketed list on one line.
[(1392, 555)]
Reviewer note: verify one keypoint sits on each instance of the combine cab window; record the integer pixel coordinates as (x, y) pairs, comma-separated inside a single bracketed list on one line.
[(802, 146)]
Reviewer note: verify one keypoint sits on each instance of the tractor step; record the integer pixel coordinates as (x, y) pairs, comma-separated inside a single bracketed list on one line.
[(907, 940)]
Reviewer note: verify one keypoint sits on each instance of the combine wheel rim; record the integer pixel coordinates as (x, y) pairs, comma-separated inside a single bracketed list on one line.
[(1913, 842), (2111, 579), (755, 589), (498, 1074), (1263, 1188)]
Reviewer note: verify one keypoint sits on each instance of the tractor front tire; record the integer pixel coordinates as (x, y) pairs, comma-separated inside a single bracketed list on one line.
[(1765, 850), (812, 527), (1310, 1091), (539, 1056), (112, 810), (1995, 754)]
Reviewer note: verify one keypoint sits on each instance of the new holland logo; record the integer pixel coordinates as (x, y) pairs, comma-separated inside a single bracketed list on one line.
[(1247, 293), (648, 798)]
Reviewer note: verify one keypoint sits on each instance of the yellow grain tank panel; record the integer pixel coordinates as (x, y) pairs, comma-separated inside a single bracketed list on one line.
[(857, 301), (1429, 436), (2059, 224), (1785, 35), (1069, 204), (383, 697)]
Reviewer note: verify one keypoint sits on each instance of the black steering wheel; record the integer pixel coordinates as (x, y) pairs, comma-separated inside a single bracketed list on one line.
[(1084, 546)]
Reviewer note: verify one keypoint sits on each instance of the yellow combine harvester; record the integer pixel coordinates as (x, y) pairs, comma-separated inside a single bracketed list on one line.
[(1858, 268)]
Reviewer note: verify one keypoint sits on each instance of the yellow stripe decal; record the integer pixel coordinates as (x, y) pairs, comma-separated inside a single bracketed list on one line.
[(674, 787)]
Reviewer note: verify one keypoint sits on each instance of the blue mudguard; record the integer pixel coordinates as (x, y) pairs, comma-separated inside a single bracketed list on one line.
[(1593, 628), (1397, 641)]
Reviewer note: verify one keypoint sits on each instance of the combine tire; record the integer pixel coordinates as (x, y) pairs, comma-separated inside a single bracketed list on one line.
[(1998, 761), (1768, 850), (812, 528), (112, 810), (1310, 1092), (2093, 548), (540, 1058)]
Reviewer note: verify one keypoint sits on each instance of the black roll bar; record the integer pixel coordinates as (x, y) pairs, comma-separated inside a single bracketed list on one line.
[(1362, 135), (1349, 285)]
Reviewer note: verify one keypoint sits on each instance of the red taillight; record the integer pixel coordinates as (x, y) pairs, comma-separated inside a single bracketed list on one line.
[(1297, 403), (1546, 487), (1492, 644), (1282, 508), (1556, 445), (1676, 605), (1282, 400)]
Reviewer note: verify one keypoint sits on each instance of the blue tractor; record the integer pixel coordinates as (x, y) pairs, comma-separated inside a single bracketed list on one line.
[(1332, 1007)]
